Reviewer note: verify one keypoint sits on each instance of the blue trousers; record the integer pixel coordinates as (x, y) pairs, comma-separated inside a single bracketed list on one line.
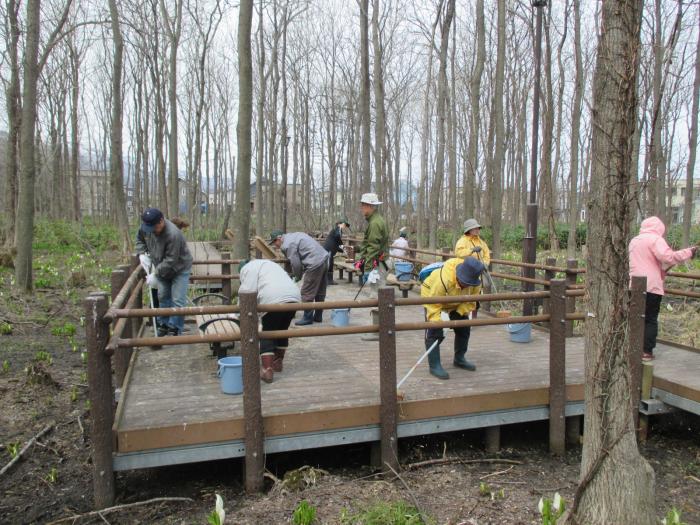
[(171, 294)]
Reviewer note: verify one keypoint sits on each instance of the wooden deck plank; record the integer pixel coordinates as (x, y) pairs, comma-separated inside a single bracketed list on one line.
[(174, 396)]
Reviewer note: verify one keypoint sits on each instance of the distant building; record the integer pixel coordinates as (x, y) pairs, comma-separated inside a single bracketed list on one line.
[(678, 201)]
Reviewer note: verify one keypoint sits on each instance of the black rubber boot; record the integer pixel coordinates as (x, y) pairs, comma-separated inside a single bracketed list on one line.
[(318, 316), (461, 344), (307, 319), (434, 360)]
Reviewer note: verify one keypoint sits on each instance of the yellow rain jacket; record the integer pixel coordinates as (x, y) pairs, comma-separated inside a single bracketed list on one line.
[(443, 282), (467, 243)]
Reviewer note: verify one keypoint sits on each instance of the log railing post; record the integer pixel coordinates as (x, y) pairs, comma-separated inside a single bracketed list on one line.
[(226, 270), (571, 264), (548, 276), (387, 379), (99, 373), (252, 407), (121, 360), (636, 324), (647, 380), (136, 322), (557, 368)]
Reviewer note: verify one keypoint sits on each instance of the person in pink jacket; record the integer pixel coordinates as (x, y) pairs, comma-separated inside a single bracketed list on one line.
[(651, 257)]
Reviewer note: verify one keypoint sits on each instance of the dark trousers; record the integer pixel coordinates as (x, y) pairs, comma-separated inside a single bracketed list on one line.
[(275, 321), (314, 286), (651, 321), (461, 334)]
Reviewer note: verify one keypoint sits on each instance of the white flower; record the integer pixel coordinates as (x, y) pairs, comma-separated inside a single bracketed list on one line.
[(557, 501), (219, 508), (540, 505)]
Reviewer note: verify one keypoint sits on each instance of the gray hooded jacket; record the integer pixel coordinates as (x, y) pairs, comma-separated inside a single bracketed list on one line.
[(303, 252), (168, 251)]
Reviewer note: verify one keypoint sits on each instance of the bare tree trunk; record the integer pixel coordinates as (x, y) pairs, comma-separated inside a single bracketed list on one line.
[(496, 164), (75, 132), (174, 30), (475, 113), (616, 484), (575, 135), (366, 182), (116, 160), (260, 153), (692, 145), (548, 181), (433, 218), (25, 206), (12, 101), (241, 220), (380, 113), (425, 138), (452, 143), (284, 139)]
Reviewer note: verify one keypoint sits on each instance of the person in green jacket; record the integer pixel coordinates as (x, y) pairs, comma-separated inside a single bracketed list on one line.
[(374, 248)]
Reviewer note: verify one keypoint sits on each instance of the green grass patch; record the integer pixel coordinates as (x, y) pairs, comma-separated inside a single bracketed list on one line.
[(385, 513)]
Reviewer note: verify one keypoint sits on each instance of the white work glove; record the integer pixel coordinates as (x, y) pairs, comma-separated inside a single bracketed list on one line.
[(145, 262), (444, 316), (341, 247), (152, 280)]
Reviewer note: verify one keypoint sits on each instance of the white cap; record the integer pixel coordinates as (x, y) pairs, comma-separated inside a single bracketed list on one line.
[(370, 198)]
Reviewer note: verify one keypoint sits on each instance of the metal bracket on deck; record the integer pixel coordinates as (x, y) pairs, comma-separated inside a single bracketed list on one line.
[(652, 407)]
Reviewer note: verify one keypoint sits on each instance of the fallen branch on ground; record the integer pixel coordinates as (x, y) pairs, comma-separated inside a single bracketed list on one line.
[(25, 448), (108, 510), (445, 461), (498, 472)]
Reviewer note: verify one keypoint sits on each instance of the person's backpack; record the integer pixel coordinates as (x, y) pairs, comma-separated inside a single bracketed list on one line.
[(427, 270)]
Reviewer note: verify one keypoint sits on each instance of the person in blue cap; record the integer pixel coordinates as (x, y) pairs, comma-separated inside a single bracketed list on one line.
[(456, 277), (163, 252)]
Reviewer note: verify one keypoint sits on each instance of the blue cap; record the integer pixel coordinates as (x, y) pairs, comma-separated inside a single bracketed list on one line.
[(469, 271), (149, 218)]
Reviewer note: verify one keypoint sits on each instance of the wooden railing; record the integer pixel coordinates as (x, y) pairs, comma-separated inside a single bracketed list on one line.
[(126, 315)]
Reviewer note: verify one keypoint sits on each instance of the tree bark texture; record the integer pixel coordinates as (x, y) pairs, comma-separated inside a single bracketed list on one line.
[(25, 206), (692, 145), (243, 130), (116, 159), (616, 484)]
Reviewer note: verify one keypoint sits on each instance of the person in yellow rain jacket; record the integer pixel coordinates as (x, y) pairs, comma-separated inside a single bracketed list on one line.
[(472, 245), (456, 277), (467, 243)]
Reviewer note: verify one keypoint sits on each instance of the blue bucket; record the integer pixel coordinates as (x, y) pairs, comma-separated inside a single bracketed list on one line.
[(340, 317), (231, 374), (520, 332), (403, 271)]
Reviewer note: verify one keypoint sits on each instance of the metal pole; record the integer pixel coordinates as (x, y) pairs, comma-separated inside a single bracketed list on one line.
[(530, 240)]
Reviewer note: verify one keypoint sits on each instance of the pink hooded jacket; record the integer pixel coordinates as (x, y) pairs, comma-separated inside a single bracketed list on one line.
[(651, 256)]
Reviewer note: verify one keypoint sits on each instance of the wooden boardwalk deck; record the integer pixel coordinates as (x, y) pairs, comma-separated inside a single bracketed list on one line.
[(172, 410)]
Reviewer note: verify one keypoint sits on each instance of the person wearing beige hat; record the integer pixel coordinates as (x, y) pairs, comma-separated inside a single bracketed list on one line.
[(472, 245), (375, 245)]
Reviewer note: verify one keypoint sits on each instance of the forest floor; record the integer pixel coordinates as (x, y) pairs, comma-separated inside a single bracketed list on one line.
[(43, 385)]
